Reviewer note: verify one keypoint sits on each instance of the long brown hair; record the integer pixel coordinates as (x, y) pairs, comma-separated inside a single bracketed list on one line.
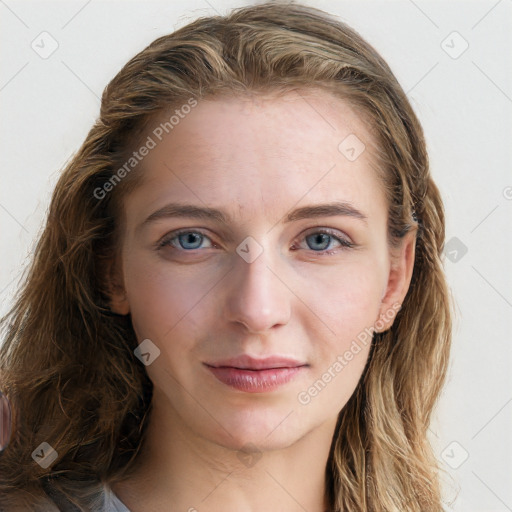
[(67, 362)]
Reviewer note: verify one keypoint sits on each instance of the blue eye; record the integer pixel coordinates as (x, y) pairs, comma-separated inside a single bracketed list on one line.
[(189, 240), (320, 241), (324, 239)]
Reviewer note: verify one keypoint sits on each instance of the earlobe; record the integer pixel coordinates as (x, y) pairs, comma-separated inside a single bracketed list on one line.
[(118, 299), (399, 280), (119, 303)]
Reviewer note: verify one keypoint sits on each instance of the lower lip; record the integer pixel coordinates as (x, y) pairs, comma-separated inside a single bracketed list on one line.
[(255, 381)]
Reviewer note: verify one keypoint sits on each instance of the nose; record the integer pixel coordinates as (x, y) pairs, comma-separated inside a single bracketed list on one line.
[(258, 296)]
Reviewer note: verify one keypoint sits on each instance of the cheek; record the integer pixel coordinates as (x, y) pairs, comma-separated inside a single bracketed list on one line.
[(349, 306), (345, 298), (162, 302), (359, 305)]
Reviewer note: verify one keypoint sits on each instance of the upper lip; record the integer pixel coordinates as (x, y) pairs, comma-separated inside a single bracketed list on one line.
[(245, 362)]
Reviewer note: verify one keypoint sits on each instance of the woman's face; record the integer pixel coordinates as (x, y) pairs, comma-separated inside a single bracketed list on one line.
[(261, 312)]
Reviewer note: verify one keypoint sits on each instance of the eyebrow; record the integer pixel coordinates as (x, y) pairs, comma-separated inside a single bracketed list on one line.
[(337, 208)]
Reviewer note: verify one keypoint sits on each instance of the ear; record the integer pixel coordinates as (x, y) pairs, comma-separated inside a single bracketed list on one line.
[(118, 299), (399, 279)]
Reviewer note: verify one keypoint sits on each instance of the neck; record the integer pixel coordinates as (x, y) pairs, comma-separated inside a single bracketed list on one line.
[(194, 474)]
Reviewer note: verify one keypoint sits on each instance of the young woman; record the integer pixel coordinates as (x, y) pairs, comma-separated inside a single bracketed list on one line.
[(238, 301)]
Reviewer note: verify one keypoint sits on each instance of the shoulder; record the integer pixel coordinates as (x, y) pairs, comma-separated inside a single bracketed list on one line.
[(112, 502)]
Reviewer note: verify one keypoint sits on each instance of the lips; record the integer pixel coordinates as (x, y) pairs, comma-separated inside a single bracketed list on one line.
[(245, 362), (252, 375)]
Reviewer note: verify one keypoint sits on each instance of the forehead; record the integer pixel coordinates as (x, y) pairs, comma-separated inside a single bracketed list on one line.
[(293, 123), (271, 149)]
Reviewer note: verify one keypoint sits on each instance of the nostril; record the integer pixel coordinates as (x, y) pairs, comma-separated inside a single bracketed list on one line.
[(5, 421)]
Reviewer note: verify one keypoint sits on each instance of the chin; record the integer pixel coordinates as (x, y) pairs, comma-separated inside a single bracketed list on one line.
[(272, 428)]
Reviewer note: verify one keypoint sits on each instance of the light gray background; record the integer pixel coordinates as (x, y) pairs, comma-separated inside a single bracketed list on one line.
[(464, 103)]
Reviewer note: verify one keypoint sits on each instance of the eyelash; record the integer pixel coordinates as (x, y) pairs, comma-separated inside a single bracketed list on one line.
[(345, 244)]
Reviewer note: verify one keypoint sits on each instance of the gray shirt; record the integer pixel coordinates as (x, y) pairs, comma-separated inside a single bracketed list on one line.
[(113, 503)]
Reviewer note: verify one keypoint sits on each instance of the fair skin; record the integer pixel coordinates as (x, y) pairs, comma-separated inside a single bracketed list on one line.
[(199, 301)]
